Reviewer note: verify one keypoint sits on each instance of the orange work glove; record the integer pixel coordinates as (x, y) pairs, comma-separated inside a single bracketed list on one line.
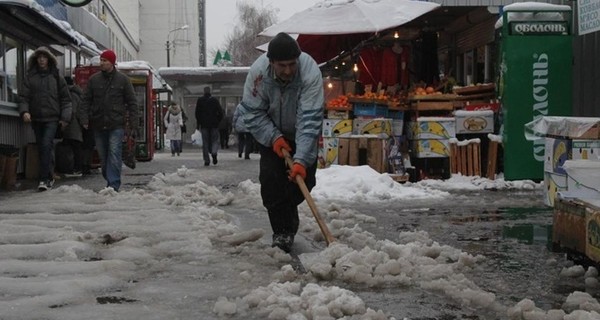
[(279, 144), (297, 169)]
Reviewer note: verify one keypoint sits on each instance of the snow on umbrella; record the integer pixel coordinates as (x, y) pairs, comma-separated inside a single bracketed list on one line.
[(351, 16)]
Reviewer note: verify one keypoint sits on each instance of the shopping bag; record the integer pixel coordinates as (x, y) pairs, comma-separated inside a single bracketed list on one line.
[(128, 151), (197, 138)]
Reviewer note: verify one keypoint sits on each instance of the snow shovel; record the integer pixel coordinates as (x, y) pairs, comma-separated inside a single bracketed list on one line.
[(311, 203)]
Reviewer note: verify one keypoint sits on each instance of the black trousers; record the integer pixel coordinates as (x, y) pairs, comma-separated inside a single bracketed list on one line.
[(245, 141), (281, 196)]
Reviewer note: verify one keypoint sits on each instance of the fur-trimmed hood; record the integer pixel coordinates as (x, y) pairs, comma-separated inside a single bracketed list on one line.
[(32, 61)]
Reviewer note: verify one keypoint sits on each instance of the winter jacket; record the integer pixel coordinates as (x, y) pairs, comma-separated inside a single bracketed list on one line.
[(73, 130), (173, 121), (238, 121), (107, 100), (294, 110), (44, 94), (208, 112)]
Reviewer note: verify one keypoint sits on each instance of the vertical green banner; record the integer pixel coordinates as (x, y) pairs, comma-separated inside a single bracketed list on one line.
[(536, 81)]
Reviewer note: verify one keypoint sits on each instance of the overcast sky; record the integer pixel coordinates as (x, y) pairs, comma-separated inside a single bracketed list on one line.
[(221, 16)]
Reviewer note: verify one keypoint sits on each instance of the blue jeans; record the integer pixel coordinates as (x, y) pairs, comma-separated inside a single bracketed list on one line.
[(175, 146), (44, 137), (210, 142), (109, 144)]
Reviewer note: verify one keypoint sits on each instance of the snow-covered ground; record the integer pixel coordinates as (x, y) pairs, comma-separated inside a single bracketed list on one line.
[(182, 249)]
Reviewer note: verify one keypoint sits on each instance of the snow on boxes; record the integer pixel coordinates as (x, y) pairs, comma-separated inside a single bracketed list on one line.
[(571, 157)]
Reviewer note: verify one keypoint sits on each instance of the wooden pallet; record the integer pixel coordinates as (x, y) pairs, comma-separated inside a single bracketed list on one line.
[(465, 159)]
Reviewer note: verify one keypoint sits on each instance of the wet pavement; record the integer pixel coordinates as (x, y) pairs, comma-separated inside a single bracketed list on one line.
[(511, 228)]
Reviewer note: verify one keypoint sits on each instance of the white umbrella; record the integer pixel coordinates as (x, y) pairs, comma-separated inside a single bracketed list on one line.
[(332, 17)]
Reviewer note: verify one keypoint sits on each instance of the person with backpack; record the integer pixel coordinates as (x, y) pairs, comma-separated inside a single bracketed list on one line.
[(174, 122), (45, 102)]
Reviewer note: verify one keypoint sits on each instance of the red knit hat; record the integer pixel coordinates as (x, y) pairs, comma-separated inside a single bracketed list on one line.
[(109, 55)]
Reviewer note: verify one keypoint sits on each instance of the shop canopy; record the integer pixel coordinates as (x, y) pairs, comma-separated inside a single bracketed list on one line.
[(334, 26)]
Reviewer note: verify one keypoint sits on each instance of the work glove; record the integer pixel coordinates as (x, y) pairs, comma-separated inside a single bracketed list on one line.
[(297, 170), (279, 144)]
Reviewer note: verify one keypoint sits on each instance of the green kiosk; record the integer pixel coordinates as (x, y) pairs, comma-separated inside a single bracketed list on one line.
[(535, 80)]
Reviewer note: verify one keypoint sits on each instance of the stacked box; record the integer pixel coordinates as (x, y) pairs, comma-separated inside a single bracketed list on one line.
[(592, 228), (585, 150), (338, 114), (429, 136), (554, 184), (370, 110), (583, 179), (357, 151), (337, 128), (431, 128), (474, 121), (380, 127), (328, 152), (569, 225), (556, 152), (430, 148)]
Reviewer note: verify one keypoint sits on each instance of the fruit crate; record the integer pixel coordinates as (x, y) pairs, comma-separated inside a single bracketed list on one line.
[(372, 110)]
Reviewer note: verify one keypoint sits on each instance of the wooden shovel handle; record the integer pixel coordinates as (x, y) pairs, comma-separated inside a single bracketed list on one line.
[(311, 203)]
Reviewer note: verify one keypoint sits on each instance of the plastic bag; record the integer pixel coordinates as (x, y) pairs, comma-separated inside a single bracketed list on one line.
[(197, 138)]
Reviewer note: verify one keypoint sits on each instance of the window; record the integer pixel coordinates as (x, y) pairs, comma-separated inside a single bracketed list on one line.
[(9, 58)]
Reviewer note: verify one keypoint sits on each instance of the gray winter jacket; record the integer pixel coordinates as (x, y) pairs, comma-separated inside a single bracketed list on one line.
[(44, 94), (294, 110)]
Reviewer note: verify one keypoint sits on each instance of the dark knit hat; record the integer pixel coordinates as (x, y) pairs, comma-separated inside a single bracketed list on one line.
[(109, 55), (283, 47)]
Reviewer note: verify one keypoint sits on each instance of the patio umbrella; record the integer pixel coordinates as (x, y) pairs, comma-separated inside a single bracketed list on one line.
[(333, 17)]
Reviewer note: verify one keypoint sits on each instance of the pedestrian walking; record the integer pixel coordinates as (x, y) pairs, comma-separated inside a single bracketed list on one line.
[(108, 102), (282, 107), (72, 134), (245, 139), (183, 128), (174, 123), (208, 116), (44, 102), (225, 127)]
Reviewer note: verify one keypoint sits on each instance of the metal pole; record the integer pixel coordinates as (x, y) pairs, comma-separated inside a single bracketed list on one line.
[(168, 53)]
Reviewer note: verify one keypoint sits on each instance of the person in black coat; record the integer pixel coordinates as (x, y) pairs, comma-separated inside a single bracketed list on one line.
[(208, 116), (45, 102)]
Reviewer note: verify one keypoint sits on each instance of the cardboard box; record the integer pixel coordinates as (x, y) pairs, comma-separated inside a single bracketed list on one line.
[(556, 152), (380, 127), (339, 114), (592, 228), (586, 150), (337, 128), (583, 179), (474, 121), (328, 152), (569, 224), (554, 183), (430, 148), (568, 127), (357, 151), (431, 128)]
